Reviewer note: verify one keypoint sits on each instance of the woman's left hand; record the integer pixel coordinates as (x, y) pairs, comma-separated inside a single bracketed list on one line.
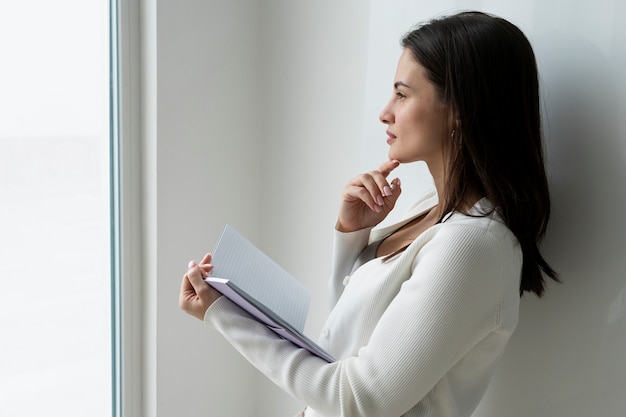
[(196, 296)]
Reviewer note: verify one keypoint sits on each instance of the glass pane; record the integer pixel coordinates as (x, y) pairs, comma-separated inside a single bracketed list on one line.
[(55, 302)]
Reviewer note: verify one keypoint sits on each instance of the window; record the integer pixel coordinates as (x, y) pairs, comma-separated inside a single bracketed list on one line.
[(55, 258)]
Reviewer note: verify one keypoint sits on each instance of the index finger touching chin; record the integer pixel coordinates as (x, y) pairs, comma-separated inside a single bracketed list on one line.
[(389, 166)]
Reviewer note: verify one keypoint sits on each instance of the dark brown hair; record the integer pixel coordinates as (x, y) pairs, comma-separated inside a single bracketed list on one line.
[(484, 68)]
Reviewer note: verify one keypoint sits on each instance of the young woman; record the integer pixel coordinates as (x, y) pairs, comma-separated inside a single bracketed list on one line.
[(423, 309)]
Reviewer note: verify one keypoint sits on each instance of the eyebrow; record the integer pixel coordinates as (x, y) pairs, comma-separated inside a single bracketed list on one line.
[(400, 84)]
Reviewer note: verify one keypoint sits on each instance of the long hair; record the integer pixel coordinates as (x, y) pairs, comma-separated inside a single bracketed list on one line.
[(485, 70)]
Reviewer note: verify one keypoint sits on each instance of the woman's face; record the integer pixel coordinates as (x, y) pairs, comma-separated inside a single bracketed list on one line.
[(415, 116)]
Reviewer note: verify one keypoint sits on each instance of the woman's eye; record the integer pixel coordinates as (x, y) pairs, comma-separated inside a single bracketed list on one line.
[(399, 95)]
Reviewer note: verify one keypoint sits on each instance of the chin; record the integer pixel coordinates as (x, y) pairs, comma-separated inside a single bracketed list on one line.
[(399, 158), (391, 155)]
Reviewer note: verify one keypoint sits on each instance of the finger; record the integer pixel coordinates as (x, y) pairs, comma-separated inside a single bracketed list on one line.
[(205, 265), (380, 177), (187, 293), (194, 275), (396, 190), (206, 270), (185, 286), (395, 185), (388, 166), (207, 259), (377, 185), (362, 193)]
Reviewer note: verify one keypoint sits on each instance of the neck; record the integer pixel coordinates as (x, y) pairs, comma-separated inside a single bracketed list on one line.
[(468, 199)]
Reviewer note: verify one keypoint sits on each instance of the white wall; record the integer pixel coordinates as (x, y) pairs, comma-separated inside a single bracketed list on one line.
[(256, 110), (314, 93), (264, 110), (567, 355), (207, 166)]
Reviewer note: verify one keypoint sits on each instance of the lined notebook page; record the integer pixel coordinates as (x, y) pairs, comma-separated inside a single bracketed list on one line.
[(238, 260)]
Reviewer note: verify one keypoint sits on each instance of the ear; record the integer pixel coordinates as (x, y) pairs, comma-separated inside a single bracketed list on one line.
[(454, 121), (456, 118)]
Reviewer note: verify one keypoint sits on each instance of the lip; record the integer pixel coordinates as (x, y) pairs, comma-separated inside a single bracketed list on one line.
[(390, 137)]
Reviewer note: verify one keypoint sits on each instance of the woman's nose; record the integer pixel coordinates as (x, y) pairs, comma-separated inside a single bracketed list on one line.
[(386, 116)]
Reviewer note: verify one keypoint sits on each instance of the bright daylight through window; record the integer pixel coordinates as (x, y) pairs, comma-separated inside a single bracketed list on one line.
[(55, 285)]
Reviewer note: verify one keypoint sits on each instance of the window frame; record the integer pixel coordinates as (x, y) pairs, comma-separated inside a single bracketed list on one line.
[(127, 289)]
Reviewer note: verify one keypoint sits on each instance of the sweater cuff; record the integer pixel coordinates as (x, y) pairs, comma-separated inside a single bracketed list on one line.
[(218, 308), (347, 246)]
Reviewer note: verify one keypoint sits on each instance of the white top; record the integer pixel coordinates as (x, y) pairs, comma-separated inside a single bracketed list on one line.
[(417, 335)]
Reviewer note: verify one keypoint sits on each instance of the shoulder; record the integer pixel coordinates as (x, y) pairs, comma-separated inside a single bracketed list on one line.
[(482, 222), (480, 234), (466, 239), (481, 249)]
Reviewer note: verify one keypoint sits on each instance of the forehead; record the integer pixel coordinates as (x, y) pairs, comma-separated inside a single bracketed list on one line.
[(409, 69)]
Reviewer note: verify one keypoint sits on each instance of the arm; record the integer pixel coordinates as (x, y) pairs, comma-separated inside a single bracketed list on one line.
[(346, 249), (450, 302), (366, 201)]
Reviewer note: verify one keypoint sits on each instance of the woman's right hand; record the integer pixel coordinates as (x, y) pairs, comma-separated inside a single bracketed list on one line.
[(368, 198), (196, 296)]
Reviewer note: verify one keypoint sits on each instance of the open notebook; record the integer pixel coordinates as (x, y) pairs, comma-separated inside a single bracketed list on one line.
[(256, 283)]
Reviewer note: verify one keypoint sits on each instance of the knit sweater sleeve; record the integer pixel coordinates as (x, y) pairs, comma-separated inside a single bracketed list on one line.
[(346, 249), (450, 302)]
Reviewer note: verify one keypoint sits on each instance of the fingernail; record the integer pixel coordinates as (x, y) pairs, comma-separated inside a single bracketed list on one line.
[(386, 191), (379, 200), (191, 264)]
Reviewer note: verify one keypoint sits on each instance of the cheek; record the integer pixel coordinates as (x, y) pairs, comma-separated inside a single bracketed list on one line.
[(413, 122), (407, 118)]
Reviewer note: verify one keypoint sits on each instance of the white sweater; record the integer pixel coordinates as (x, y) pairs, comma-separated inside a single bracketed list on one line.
[(417, 335)]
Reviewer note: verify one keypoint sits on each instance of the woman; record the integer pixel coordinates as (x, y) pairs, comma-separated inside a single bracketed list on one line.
[(423, 309)]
